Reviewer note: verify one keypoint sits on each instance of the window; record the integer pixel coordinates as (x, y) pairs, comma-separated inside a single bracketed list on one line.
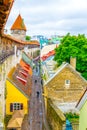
[(19, 32), (16, 106), (12, 31), (67, 82)]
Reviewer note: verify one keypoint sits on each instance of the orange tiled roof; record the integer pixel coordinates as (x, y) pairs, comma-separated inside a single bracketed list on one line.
[(50, 53), (19, 80), (18, 24), (26, 67), (16, 120), (33, 42), (11, 72)]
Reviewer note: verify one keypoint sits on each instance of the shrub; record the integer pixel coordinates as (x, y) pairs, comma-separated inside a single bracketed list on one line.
[(72, 116)]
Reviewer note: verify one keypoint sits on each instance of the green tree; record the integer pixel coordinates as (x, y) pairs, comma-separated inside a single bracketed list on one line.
[(75, 46), (28, 38)]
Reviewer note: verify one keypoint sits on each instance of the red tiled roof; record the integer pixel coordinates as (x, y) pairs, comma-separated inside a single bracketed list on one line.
[(50, 53), (26, 67), (23, 81), (24, 73)]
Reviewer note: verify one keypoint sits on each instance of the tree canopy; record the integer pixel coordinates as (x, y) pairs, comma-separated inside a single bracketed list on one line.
[(75, 46), (28, 38)]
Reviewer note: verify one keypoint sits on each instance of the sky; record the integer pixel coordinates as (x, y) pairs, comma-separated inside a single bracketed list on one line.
[(50, 17)]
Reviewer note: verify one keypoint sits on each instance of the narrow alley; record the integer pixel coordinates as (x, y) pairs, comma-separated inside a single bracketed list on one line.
[(36, 117), (36, 110)]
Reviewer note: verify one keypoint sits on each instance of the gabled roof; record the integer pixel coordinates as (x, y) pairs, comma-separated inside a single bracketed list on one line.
[(26, 67), (27, 59), (22, 83), (22, 80), (82, 100), (16, 120), (61, 68), (15, 123), (50, 53), (18, 114), (23, 73), (18, 24)]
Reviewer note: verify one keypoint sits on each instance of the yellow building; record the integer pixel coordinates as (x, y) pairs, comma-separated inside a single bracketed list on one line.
[(16, 96), (15, 99)]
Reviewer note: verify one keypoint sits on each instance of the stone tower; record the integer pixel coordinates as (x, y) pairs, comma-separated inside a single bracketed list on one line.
[(18, 28)]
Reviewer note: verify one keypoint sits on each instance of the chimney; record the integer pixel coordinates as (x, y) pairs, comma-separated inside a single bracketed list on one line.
[(73, 62)]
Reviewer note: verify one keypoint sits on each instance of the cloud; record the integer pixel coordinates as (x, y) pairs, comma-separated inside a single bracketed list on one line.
[(51, 16)]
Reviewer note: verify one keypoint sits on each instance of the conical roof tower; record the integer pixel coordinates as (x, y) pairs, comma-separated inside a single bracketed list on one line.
[(18, 28), (18, 24)]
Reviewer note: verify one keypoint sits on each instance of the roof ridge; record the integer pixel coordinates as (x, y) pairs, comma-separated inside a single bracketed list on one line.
[(17, 87), (59, 70)]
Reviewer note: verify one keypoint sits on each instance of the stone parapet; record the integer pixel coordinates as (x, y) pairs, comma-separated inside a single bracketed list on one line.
[(55, 117)]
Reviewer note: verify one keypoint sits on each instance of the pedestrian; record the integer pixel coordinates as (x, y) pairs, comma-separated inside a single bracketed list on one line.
[(41, 81), (36, 69), (35, 81), (37, 94)]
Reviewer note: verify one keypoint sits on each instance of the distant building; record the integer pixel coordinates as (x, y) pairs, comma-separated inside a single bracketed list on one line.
[(42, 40), (18, 87), (48, 64), (47, 48), (55, 39), (18, 28)]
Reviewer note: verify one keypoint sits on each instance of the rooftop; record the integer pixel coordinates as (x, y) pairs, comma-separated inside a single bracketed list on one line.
[(18, 24)]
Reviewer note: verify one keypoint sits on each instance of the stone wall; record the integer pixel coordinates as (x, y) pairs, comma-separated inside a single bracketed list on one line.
[(75, 125), (5, 67), (33, 52), (55, 117), (19, 34), (57, 89)]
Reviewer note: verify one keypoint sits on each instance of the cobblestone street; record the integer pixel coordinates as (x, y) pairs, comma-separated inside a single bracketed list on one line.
[(34, 120), (35, 110)]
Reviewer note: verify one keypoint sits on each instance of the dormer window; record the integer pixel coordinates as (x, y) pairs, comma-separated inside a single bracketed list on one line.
[(67, 82)]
